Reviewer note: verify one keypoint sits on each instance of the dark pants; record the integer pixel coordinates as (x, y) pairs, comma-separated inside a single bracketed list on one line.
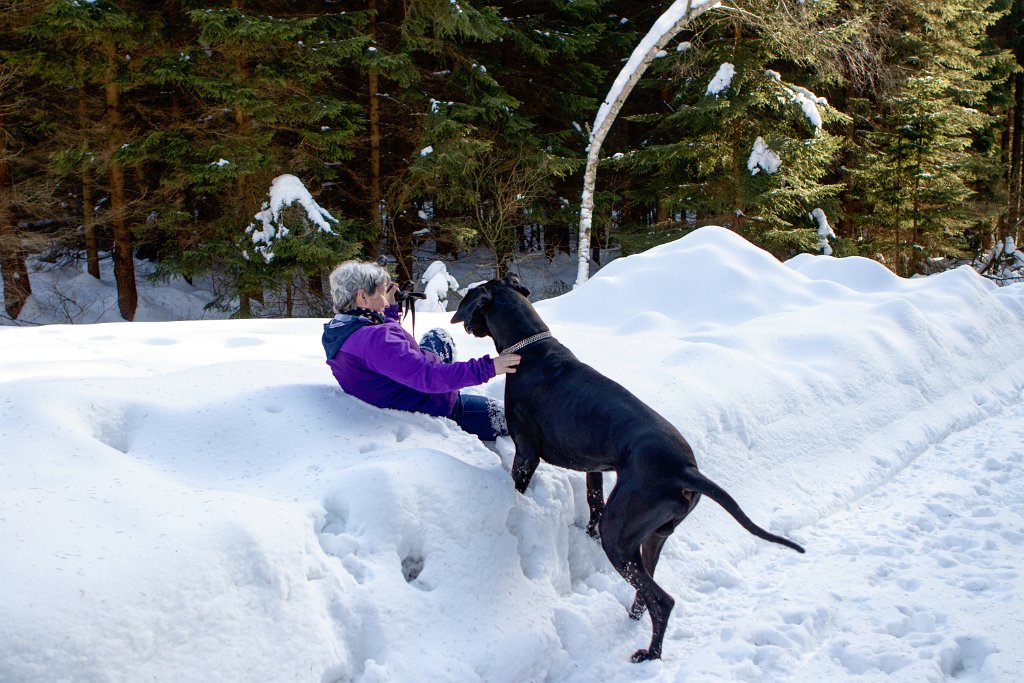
[(481, 416)]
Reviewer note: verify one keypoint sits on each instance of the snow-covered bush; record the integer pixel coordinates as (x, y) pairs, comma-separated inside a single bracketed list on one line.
[(288, 248), (274, 224), (438, 283)]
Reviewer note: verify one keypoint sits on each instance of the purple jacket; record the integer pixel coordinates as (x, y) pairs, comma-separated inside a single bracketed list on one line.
[(384, 366)]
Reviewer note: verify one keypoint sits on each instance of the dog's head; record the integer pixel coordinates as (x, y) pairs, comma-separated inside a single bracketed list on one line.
[(472, 311)]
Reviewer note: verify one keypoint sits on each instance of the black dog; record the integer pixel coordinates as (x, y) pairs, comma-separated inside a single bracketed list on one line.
[(571, 415)]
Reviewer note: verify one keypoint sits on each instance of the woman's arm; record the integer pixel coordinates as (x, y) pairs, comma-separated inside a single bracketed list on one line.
[(387, 350)]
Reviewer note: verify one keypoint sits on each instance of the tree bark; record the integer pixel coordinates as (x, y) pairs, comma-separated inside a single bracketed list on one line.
[(124, 265), (17, 287), (242, 191), (1013, 189), (374, 123), (243, 184), (92, 250)]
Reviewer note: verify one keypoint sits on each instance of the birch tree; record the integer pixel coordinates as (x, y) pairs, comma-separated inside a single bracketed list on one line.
[(665, 28)]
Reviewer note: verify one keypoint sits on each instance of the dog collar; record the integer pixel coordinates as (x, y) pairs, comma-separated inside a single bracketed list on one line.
[(526, 342)]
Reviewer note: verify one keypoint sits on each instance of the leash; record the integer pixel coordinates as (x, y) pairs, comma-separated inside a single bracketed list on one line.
[(526, 342), (406, 298)]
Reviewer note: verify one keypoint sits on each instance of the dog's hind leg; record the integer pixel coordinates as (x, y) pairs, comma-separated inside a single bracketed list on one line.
[(595, 500), (650, 549), (659, 603), (623, 532), (650, 552)]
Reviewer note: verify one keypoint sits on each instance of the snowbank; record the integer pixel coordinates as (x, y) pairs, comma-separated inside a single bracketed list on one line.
[(199, 501)]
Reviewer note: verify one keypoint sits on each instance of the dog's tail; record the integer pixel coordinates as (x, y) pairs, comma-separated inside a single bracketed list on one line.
[(698, 482)]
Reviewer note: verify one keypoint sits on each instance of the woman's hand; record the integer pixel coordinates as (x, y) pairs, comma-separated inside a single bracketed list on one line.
[(390, 294), (506, 363)]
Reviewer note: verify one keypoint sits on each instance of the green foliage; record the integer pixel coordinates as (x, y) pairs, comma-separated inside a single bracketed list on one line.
[(218, 98), (726, 101), (295, 247), (488, 190), (921, 164)]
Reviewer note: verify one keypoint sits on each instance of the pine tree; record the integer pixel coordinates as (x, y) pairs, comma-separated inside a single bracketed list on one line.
[(100, 35), (494, 86), (565, 55), (1008, 95), (425, 61), (291, 237), (918, 165), (254, 97), (13, 265), (916, 173)]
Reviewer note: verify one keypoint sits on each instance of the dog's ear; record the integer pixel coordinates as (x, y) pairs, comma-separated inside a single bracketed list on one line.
[(513, 281), (471, 309)]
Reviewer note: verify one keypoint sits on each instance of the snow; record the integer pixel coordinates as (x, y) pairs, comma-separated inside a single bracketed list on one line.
[(65, 293), (824, 230), (1009, 247), (721, 80), (763, 158), (808, 102), (198, 500), (285, 190), (437, 283)]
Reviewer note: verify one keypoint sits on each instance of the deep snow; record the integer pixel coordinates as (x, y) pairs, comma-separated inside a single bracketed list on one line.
[(185, 501)]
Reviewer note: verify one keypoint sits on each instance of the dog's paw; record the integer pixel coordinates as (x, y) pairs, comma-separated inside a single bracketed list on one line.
[(645, 656)]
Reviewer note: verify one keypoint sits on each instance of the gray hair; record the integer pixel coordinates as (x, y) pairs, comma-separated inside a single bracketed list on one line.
[(350, 277)]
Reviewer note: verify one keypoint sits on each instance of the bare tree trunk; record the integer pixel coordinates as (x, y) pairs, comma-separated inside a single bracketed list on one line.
[(92, 250), (124, 265), (656, 39), (1013, 189), (373, 86), (182, 233), (556, 239), (401, 247), (17, 287), (917, 259), (243, 184), (88, 208), (242, 187)]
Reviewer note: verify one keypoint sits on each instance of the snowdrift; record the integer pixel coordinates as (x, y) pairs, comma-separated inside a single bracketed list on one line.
[(199, 501)]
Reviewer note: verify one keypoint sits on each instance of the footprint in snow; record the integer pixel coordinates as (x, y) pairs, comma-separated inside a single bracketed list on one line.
[(238, 342)]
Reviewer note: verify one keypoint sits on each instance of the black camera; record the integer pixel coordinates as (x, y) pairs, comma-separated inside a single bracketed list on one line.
[(405, 293)]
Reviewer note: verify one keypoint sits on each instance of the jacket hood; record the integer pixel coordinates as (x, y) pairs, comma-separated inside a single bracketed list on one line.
[(338, 329)]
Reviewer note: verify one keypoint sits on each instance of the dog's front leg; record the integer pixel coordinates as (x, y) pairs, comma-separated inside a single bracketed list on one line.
[(524, 465), (595, 499)]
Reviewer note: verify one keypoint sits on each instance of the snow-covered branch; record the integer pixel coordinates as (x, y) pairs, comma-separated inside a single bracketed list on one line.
[(1005, 263), (268, 227)]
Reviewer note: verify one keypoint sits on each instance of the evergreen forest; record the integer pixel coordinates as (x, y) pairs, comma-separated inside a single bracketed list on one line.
[(890, 129)]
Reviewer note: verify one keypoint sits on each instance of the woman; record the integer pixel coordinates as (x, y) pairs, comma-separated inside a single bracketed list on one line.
[(376, 360)]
